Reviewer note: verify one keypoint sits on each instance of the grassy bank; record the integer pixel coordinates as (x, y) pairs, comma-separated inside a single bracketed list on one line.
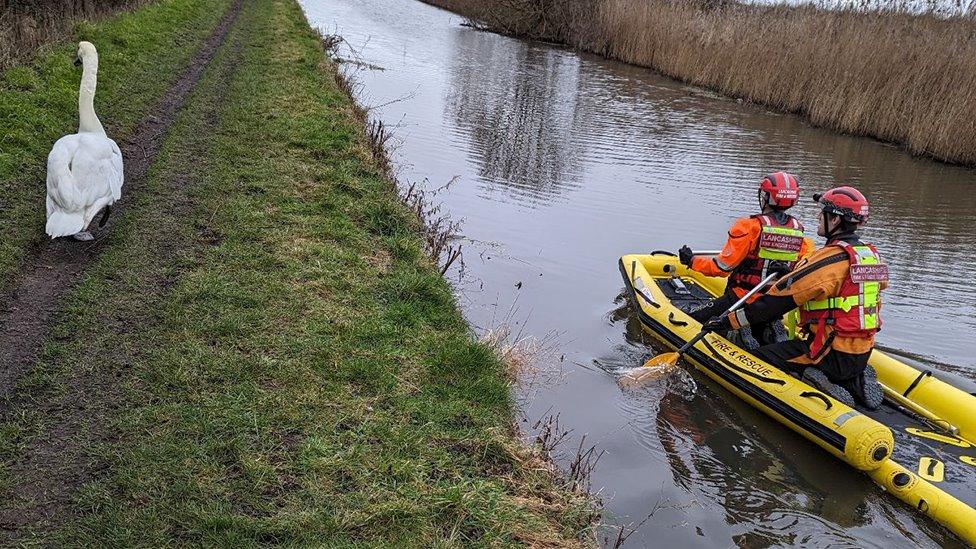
[(898, 77), (267, 354), (141, 54)]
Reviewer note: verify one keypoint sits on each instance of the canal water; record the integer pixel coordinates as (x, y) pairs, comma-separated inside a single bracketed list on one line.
[(564, 162)]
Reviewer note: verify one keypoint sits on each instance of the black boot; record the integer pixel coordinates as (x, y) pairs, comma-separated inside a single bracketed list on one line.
[(774, 332), (814, 376), (866, 389)]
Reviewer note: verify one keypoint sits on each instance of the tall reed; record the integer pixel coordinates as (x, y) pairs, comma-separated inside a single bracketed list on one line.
[(25, 25), (908, 78)]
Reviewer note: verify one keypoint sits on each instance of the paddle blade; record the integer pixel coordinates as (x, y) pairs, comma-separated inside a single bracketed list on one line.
[(655, 368), (664, 360)]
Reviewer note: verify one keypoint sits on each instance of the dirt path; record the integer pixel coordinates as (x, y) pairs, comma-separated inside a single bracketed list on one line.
[(55, 465)]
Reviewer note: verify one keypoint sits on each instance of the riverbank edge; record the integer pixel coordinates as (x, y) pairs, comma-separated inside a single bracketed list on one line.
[(276, 359), (860, 109)]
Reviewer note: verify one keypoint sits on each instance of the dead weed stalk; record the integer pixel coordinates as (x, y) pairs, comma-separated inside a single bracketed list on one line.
[(440, 231), (625, 531), (547, 443)]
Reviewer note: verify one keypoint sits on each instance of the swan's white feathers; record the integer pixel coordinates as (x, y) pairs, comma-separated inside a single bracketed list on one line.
[(84, 174)]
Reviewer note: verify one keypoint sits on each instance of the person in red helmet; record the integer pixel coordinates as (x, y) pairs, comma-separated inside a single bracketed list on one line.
[(771, 241), (838, 292)]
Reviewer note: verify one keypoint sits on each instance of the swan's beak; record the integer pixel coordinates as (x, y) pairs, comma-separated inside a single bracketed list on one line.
[(78, 61)]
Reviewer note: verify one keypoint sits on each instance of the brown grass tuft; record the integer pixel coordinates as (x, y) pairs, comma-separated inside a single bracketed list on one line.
[(901, 77), (529, 362), (519, 356)]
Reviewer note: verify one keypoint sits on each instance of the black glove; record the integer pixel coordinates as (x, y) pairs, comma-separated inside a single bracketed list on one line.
[(685, 256), (717, 324), (781, 268)]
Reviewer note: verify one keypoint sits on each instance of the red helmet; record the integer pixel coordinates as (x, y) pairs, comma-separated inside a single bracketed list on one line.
[(847, 202), (781, 189)]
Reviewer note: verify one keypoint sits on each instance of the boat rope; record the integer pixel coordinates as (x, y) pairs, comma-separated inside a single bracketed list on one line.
[(815, 394), (633, 284)]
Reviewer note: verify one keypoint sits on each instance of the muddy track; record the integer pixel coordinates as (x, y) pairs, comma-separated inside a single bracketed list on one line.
[(55, 465)]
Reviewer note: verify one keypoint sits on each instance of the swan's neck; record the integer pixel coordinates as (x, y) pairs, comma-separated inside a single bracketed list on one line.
[(87, 120)]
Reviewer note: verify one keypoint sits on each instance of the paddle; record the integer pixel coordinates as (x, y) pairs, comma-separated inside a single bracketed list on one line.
[(663, 363), (933, 420)]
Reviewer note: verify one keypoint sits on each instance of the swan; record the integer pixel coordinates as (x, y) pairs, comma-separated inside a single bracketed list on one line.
[(84, 170)]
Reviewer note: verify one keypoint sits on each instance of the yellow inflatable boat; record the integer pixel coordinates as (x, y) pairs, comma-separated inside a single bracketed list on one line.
[(920, 445)]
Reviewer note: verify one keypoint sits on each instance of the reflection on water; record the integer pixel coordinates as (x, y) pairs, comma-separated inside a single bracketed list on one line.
[(521, 130), (760, 492), (568, 161)]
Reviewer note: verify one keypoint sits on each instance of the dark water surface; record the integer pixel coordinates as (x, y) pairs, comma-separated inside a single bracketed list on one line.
[(564, 163)]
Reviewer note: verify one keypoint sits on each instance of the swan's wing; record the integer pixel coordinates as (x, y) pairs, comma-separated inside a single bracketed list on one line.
[(65, 202), (84, 174), (97, 173), (117, 173), (62, 190), (97, 169)]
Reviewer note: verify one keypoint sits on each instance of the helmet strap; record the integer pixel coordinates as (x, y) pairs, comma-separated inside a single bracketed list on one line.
[(840, 230), (828, 232)]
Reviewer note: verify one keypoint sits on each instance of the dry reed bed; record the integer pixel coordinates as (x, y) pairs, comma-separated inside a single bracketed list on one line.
[(26, 25), (908, 79)]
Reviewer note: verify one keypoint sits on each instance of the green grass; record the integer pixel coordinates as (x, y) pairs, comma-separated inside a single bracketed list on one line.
[(290, 367), (141, 53)]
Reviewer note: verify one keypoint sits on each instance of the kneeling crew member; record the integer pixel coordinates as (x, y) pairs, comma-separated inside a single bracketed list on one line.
[(757, 245), (837, 289)]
